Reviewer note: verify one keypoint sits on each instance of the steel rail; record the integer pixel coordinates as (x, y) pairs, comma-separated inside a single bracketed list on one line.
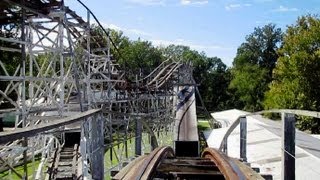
[(226, 166), (144, 167), (147, 167), (153, 161)]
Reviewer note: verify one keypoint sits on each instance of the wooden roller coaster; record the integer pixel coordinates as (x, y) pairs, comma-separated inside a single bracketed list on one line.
[(91, 97)]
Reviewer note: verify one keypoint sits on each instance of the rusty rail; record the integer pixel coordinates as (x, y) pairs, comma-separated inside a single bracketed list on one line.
[(162, 164), (144, 167), (153, 160), (225, 165)]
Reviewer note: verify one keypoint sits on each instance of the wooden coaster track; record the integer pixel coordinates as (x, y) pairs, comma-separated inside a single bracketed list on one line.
[(163, 164)]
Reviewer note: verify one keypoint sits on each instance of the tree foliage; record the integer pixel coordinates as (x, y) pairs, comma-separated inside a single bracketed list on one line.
[(9, 59), (141, 57), (253, 65), (210, 73), (296, 82)]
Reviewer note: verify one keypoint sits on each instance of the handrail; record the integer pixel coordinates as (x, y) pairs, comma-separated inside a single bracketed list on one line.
[(31, 131), (229, 131), (299, 112), (314, 114)]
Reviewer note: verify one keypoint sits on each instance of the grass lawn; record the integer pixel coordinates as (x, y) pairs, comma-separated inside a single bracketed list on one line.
[(6, 175), (119, 155), (203, 125)]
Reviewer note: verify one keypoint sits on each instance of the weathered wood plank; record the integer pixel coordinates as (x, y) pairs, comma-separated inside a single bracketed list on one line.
[(243, 139), (288, 146), (31, 131)]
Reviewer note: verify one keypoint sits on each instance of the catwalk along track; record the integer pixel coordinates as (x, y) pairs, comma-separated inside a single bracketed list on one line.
[(163, 164)]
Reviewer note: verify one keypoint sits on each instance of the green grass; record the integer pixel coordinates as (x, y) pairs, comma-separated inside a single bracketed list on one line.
[(163, 139), (119, 154), (20, 169), (203, 125)]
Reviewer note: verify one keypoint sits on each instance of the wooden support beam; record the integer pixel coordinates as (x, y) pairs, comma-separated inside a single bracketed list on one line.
[(138, 136), (288, 146), (31, 131), (225, 146), (12, 168), (243, 139)]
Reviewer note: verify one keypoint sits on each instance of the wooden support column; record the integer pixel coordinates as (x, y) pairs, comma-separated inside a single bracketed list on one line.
[(243, 139), (288, 146), (126, 144), (23, 89), (225, 146), (97, 144), (138, 136)]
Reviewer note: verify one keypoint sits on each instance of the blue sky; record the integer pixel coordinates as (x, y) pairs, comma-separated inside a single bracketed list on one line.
[(216, 27)]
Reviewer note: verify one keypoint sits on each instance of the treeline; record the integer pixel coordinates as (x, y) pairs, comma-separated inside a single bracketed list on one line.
[(140, 57), (280, 70), (272, 69)]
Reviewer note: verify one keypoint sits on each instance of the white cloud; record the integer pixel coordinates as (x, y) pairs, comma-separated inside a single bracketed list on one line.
[(200, 47), (263, 1), (127, 30), (137, 32), (193, 2), (148, 2), (232, 6), (112, 26), (225, 53), (285, 9), (236, 6)]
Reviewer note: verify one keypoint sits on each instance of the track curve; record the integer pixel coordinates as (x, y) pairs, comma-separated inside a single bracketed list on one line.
[(162, 164), (144, 167)]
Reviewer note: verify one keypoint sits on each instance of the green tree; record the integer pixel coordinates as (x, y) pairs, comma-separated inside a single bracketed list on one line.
[(296, 82), (9, 59), (121, 42), (140, 57), (134, 57), (253, 65), (210, 73), (183, 53), (215, 85), (249, 81)]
